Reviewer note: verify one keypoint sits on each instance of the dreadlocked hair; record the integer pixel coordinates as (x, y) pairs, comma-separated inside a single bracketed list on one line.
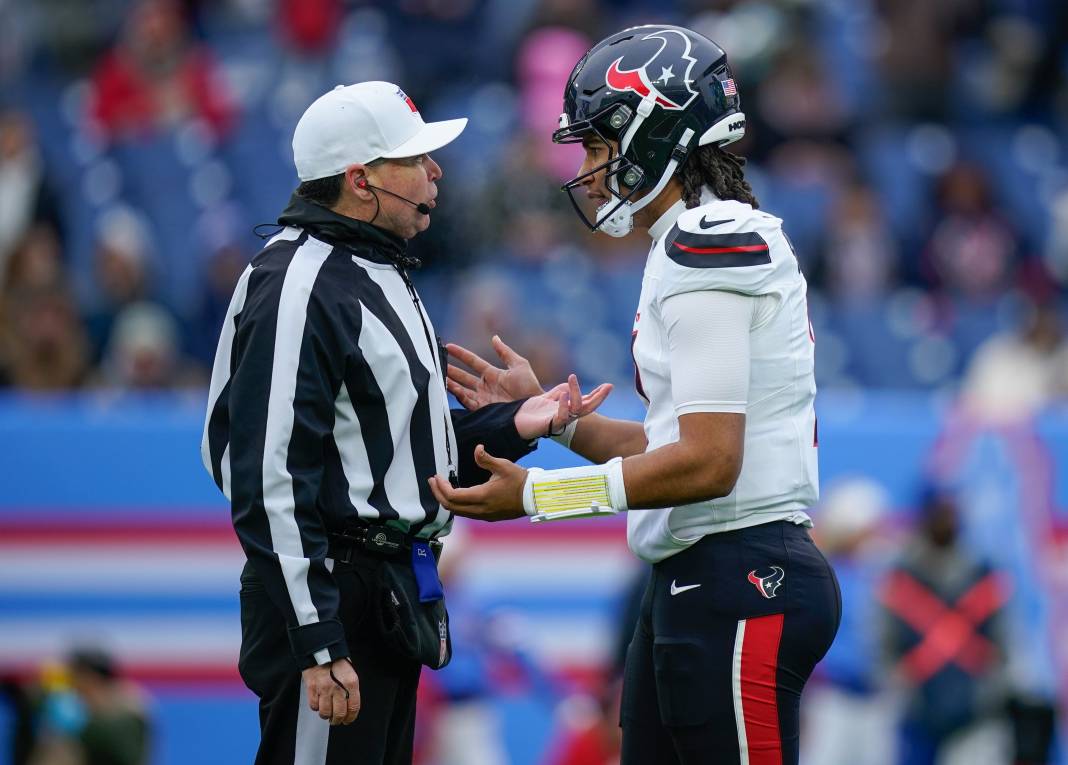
[(721, 171)]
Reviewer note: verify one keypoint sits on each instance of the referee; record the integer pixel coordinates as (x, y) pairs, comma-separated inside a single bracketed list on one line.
[(327, 415)]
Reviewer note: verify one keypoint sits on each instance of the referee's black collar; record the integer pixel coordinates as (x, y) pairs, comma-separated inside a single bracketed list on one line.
[(376, 244)]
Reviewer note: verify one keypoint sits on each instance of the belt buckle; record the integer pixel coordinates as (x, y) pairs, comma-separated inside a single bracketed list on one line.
[(348, 543), (384, 541)]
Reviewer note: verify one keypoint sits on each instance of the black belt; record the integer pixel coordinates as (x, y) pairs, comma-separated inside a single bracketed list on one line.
[(380, 541)]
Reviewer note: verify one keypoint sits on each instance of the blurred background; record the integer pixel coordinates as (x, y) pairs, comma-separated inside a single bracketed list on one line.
[(918, 153)]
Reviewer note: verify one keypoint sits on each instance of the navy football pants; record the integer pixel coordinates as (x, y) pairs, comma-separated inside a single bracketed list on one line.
[(714, 672)]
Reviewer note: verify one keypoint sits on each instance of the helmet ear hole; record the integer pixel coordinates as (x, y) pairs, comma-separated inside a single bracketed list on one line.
[(632, 177), (727, 130), (620, 117)]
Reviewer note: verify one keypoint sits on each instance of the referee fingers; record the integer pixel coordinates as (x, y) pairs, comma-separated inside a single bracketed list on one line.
[(472, 359), (347, 684), (462, 377), (352, 708), (340, 708), (325, 707)]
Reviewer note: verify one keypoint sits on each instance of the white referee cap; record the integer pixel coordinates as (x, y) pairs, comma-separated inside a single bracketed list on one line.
[(361, 123)]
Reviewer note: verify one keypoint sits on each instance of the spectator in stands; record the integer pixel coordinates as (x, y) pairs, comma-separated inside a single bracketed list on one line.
[(144, 352), (943, 637), (42, 342), (157, 76), (227, 256), (42, 346), (860, 251), (25, 197), (123, 272), (915, 53), (972, 251), (309, 26), (527, 221), (1013, 374), (36, 261), (798, 99)]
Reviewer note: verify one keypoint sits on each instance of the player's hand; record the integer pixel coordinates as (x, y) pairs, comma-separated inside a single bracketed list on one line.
[(490, 384), (498, 499), (549, 413), (333, 691)]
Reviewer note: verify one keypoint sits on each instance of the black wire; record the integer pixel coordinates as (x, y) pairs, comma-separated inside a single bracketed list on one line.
[(338, 683), (276, 226), (378, 204)]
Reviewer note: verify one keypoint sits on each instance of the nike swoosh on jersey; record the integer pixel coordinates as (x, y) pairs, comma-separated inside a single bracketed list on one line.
[(675, 589), (704, 223)]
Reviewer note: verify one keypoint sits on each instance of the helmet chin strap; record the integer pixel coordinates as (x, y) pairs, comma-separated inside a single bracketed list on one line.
[(620, 221)]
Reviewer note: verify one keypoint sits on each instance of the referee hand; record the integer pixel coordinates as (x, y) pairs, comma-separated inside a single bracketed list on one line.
[(334, 691), (498, 499), (490, 384)]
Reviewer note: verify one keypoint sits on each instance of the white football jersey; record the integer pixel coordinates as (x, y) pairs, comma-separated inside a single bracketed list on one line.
[(727, 245)]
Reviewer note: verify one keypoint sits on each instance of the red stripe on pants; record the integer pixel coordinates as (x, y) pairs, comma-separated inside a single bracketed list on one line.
[(760, 704)]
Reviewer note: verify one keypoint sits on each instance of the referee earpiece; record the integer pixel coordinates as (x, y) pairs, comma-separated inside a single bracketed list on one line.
[(362, 183)]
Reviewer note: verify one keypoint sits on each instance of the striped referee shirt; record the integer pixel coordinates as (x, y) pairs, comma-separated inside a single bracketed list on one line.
[(327, 404)]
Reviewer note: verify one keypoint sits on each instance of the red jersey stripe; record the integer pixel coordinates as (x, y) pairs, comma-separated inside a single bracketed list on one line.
[(717, 250)]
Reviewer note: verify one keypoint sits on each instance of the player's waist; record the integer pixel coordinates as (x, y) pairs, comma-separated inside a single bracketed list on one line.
[(657, 534)]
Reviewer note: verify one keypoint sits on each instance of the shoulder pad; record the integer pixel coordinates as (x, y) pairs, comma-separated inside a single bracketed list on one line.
[(723, 245)]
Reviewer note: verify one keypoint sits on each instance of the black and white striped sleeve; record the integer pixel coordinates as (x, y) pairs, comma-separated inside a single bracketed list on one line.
[(287, 368)]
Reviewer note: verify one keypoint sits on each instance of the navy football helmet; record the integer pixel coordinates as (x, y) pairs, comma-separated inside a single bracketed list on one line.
[(657, 91)]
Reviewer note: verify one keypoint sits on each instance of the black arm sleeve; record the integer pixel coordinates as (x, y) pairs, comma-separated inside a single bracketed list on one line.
[(493, 426)]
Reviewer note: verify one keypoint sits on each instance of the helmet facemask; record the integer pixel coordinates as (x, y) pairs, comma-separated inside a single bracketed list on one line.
[(623, 178)]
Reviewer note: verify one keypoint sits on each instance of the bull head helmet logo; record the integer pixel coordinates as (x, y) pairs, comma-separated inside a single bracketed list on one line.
[(671, 61)]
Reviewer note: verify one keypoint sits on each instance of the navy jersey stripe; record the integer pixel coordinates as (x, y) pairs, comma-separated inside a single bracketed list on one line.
[(705, 250)]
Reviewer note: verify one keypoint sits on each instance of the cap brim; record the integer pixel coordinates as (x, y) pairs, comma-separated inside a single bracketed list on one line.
[(432, 137)]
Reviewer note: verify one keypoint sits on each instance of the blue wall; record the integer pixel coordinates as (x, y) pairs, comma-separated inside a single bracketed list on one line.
[(106, 460)]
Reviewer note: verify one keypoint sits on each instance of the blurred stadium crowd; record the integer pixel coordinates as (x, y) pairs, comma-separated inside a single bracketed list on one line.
[(916, 151)]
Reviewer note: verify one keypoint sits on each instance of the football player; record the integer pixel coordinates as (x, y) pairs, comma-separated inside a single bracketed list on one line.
[(740, 605)]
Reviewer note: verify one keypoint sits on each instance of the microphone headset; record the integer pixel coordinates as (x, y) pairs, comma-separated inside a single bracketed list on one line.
[(421, 207)]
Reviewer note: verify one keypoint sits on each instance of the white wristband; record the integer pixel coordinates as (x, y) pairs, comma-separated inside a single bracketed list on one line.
[(564, 437), (575, 492)]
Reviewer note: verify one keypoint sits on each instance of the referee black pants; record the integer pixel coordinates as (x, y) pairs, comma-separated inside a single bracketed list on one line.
[(290, 732), (729, 632)]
